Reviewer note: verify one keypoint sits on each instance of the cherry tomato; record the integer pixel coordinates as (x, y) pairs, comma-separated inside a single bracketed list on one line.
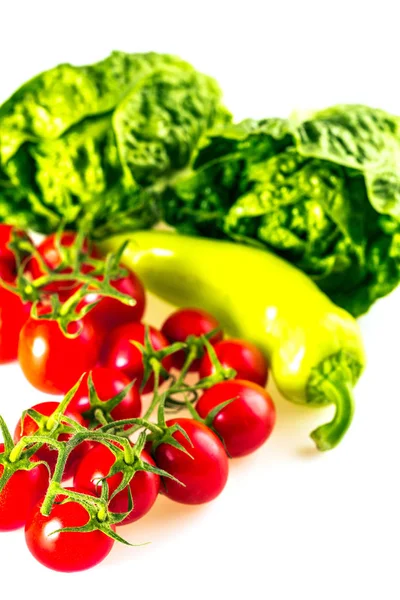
[(244, 424), (50, 252), (120, 353), (20, 494), (247, 360), (50, 361), (47, 453), (13, 315), (110, 312), (108, 383), (185, 322), (204, 475), (144, 486), (66, 551)]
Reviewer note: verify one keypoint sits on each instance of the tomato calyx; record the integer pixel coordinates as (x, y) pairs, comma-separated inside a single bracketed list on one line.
[(78, 275), (100, 411), (152, 359), (195, 347), (179, 386), (13, 458), (99, 516)]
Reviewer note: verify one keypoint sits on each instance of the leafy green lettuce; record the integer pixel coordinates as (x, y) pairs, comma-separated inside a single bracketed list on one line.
[(322, 191), (91, 140)]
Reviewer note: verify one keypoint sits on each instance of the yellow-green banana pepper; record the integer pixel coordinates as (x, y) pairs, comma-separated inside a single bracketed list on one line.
[(314, 348)]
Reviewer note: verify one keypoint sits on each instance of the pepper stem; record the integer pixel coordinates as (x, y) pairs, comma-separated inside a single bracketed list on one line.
[(340, 394)]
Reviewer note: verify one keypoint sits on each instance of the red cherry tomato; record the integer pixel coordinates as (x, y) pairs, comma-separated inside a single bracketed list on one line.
[(47, 453), (120, 353), (50, 252), (244, 424), (185, 322), (13, 315), (20, 494), (204, 475), (247, 360), (66, 551), (108, 383), (144, 486), (109, 312), (52, 362)]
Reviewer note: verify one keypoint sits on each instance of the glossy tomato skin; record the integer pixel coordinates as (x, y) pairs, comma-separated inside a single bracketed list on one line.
[(247, 422), (22, 491), (247, 360), (119, 353), (50, 361), (13, 315), (50, 253), (69, 551), (185, 322), (144, 486), (108, 383), (109, 312), (46, 453), (204, 475)]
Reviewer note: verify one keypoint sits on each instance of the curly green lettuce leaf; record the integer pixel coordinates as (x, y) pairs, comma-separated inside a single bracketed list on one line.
[(322, 192), (78, 141), (160, 121), (55, 100)]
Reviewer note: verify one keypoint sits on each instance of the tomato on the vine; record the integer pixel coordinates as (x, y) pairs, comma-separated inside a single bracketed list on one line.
[(49, 250), (120, 353), (187, 322), (244, 424), (144, 486), (21, 493), (107, 383), (65, 551), (111, 312), (204, 473), (244, 357), (52, 362), (46, 453)]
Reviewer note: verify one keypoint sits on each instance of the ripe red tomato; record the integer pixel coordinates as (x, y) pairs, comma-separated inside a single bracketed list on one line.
[(51, 362), (204, 476), (120, 353), (247, 360), (47, 453), (244, 424), (13, 315), (50, 253), (108, 383), (109, 312), (20, 493), (185, 322), (144, 486), (67, 551)]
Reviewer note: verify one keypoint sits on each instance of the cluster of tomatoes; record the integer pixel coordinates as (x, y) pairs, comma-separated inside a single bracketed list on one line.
[(112, 361)]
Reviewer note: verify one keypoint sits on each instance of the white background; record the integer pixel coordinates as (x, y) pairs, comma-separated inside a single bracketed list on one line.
[(291, 523)]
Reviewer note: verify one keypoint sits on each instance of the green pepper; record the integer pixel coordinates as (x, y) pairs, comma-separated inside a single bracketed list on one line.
[(314, 348)]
